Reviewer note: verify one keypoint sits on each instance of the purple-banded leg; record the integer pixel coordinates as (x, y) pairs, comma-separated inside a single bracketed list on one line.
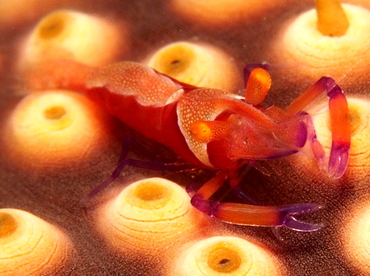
[(154, 163), (245, 214), (340, 122)]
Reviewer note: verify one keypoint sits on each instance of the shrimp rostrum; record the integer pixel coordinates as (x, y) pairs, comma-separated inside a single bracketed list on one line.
[(213, 128)]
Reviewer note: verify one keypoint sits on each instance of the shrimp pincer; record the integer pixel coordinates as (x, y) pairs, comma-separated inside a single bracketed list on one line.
[(213, 128)]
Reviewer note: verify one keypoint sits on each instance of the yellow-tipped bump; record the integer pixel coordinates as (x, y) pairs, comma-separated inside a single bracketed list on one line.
[(227, 256), (197, 64), (331, 18), (66, 34), (56, 129), (221, 13), (302, 44), (30, 245), (148, 216)]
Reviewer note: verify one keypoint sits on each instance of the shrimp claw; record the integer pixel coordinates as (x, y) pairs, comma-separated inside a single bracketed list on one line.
[(246, 214), (269, 216), (339, 118)]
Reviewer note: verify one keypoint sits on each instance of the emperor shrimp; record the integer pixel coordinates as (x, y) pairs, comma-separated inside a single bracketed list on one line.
[(213, 128)]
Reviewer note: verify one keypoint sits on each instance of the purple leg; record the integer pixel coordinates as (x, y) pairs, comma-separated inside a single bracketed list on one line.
[(155, 164), (245, 214), (268, 216), (340, 123)]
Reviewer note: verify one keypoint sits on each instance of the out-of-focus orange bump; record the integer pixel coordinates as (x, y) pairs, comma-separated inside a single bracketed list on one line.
[(148, 216), (226, 255), (17, 13), (301, 43), (359, 112), (67, 34), (222, 13), (355, 237), (56, 129), (31, 246), (198, 64)]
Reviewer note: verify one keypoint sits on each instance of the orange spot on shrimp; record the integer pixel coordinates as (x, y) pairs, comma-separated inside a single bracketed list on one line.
[(207, 131)]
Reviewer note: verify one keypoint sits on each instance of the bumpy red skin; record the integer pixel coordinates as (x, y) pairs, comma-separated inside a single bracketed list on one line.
[(156, 106), (138, 95), (142, 105)]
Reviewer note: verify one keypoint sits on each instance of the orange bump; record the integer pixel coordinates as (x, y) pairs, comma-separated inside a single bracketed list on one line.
[(331, 18), (148, 216), (18, 13), (30, 245), (56, 129), (221, 13), (67, 34), (197, 64), (303, 44), (226, 255), (355, 237)]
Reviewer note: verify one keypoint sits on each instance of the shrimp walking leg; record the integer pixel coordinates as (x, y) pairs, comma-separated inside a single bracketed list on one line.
[(154, 163), (340, 121), (246, 214)]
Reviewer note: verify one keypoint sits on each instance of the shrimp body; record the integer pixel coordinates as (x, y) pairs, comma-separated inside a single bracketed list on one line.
[(213, 128), (165, 110)]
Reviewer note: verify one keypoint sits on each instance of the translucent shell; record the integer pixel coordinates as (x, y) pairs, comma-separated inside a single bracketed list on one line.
[(30, 245), (56, 129), (226, 255), (198, 64), (134, 79), (148, 216), (67, 34), (199, 105)]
